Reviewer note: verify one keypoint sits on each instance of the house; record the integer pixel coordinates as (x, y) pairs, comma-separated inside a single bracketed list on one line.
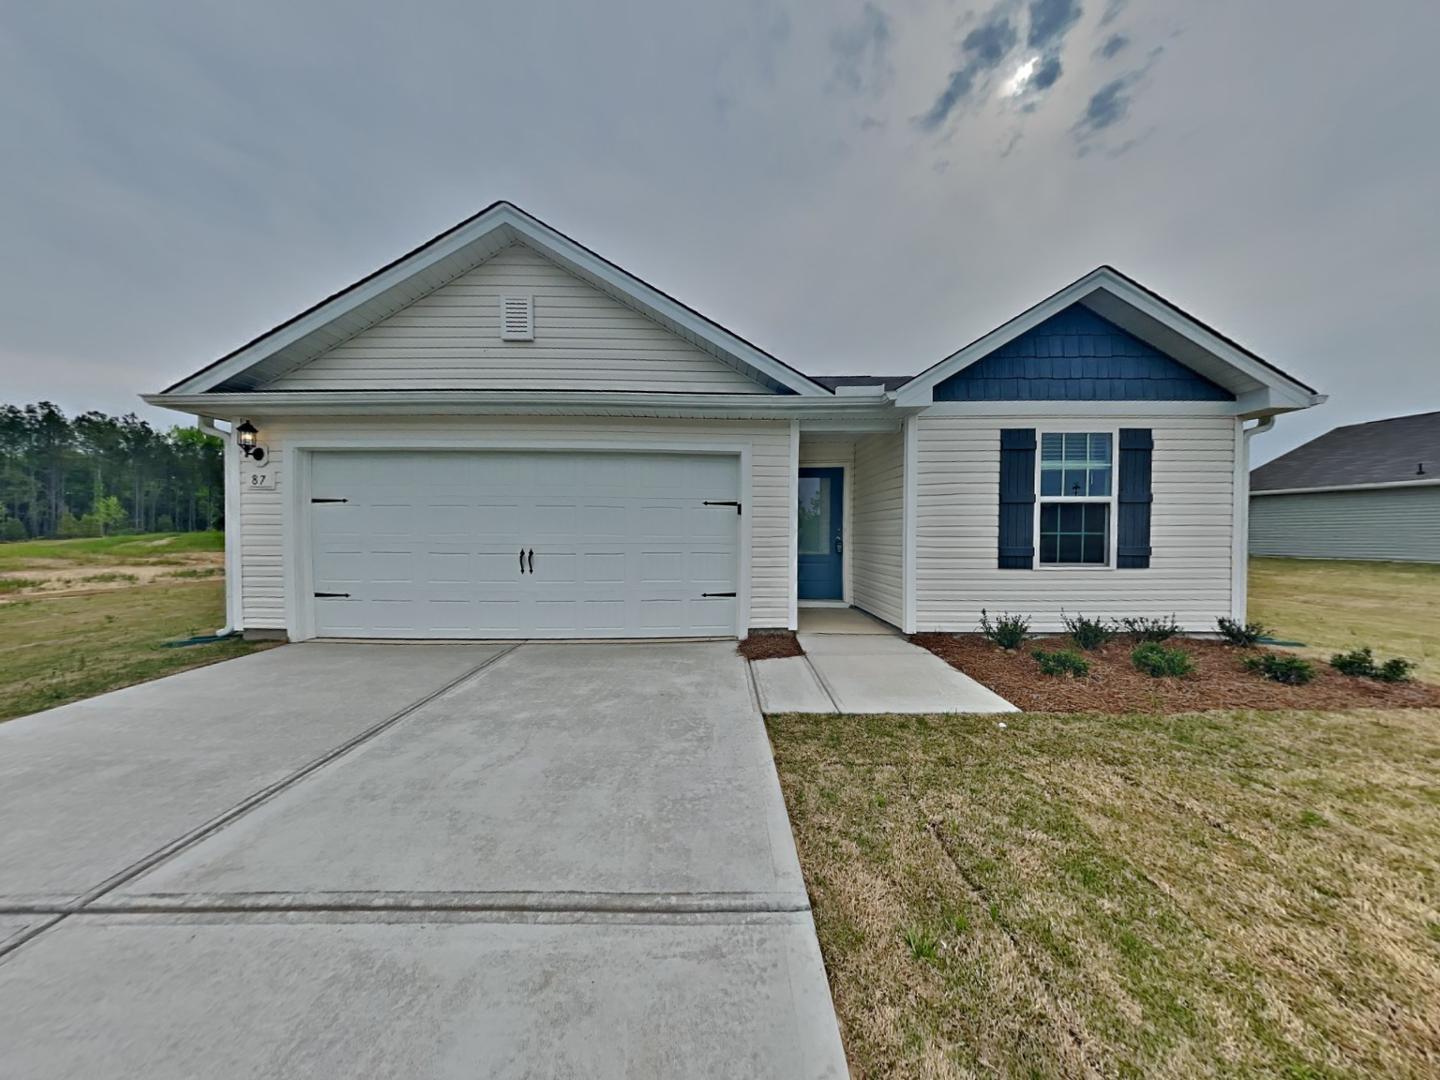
[(503, 434), (1363, 491)]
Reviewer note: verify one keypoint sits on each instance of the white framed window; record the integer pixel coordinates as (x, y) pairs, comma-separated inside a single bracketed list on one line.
[(1075, 506)]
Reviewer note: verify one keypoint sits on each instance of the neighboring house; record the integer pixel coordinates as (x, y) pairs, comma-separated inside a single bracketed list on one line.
[(502, 434), (1364, 491)]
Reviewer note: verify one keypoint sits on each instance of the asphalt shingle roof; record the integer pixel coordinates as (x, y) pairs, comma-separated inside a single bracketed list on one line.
[(1380, 452)]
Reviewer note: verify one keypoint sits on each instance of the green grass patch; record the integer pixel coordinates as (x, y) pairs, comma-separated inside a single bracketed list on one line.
[(59, 649), (1226, 894), (135, 549)]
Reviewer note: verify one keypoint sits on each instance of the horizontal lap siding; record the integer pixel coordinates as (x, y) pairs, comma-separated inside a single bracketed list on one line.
[(877, 566), (1400, 525), (584, 339), (957, 524), (768, 513)]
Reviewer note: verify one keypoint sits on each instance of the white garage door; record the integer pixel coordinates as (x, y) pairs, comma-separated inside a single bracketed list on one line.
[(524, 544)]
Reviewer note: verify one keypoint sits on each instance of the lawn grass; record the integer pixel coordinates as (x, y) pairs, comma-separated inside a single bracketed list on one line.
[(1236, 893), (62, 648), (136, 549), (1336, 606)]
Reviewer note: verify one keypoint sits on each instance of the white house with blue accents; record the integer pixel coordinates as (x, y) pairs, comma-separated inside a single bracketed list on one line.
[(501, 434)]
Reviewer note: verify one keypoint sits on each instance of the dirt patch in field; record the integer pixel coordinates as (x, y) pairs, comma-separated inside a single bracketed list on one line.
[(774, 646), (1219, 681), (67, 579)]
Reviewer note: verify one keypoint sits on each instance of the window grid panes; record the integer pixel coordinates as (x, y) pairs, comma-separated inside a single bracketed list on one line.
[(1075, 532), (1075, 465)]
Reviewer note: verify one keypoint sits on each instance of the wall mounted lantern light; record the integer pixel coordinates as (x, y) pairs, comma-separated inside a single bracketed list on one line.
[(245, 435)]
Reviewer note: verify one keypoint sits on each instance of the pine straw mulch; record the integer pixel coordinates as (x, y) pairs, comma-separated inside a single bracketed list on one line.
[(771, 646), (1114, 685)]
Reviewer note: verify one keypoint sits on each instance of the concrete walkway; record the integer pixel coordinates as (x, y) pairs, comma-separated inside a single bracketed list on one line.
[(856, 664), (409, 860)]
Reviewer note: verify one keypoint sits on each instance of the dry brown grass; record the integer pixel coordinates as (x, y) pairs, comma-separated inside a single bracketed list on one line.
[(1239, 893)]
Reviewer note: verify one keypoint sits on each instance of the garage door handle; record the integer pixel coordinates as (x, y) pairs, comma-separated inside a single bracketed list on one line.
[(726, 502), (522, 560), (532, 560)]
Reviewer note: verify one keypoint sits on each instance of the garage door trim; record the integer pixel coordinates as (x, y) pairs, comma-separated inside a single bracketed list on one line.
[(296, 514)]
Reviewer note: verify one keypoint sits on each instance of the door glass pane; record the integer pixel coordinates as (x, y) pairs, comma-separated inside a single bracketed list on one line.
[(814, 515)]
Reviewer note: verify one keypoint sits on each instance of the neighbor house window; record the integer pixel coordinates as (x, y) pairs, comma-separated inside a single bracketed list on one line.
[(1077, 486)]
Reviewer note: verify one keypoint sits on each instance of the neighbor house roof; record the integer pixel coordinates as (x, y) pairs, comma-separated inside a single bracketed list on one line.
[(1404, 450)]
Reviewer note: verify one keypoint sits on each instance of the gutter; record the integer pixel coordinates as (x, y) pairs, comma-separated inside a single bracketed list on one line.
[(1240, 515), (1379, 485), (232, 525), (509, 402)]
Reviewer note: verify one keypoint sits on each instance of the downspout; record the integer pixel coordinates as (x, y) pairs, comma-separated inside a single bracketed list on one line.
[(232, 525), (1240, 550)]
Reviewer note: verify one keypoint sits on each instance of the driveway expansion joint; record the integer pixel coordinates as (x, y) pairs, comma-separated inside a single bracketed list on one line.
[(182, 843)]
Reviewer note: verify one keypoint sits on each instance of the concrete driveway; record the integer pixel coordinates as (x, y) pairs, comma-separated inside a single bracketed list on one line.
[(409, 860)]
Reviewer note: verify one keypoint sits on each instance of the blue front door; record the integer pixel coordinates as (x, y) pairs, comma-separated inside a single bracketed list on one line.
[(821, 514)]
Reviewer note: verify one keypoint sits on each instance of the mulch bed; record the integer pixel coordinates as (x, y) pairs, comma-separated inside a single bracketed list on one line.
[(1114, 685), (771, 646)]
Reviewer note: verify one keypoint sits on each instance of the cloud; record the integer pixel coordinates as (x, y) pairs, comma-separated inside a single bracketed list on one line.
[(862, 52), (1107, 106), (1046, 74), (1113, 11), (1050, 21), (982, 50), (1114, 45)]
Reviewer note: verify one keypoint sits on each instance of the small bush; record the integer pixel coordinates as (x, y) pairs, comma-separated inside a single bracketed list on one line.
[(1357, 662), (1063, 662), (1157, 661), (15, 584), (1151, 629), (1088, 633), (1007, 631), (1361, 663), (1282, 668), (1396, 669), (1237, 633)]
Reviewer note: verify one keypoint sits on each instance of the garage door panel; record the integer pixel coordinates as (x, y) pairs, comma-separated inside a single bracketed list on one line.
[(428, 544)]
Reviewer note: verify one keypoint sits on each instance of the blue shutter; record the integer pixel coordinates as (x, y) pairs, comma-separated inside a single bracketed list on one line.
[(1017, 498), (1133, 498)]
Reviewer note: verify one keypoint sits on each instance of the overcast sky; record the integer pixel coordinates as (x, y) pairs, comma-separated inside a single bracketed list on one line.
[(859, 187)]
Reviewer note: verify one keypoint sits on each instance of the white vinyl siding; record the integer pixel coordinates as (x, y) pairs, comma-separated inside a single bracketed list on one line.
[(1192, 516), (767, 514), (1395, 524), (583, 340), (877, 541)]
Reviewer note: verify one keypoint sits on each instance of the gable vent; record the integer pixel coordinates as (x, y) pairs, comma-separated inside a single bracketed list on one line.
[(517, 318)]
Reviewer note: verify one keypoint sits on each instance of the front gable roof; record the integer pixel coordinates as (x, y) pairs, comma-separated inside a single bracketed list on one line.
[(442, 259), (1258, 387)]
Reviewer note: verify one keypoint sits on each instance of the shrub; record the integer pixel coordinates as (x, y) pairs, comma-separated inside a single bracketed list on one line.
[(1361, 663), (1152, 629), (1007, 631), (1282, 668), (1157, 661), (1396, 669), (1088, 633), (1357, 662), (1063, 662), (922, 941), (1237, 633)]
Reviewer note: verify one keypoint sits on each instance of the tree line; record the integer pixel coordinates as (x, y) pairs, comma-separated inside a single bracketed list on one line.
[(95, 475)]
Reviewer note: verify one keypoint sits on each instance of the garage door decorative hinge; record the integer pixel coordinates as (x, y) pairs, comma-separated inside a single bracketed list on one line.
[(705, 594), (329, 500), (730, 502), (330, 595)]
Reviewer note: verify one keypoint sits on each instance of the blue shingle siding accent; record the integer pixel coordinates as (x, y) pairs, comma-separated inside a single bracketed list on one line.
[(1078, 356)]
